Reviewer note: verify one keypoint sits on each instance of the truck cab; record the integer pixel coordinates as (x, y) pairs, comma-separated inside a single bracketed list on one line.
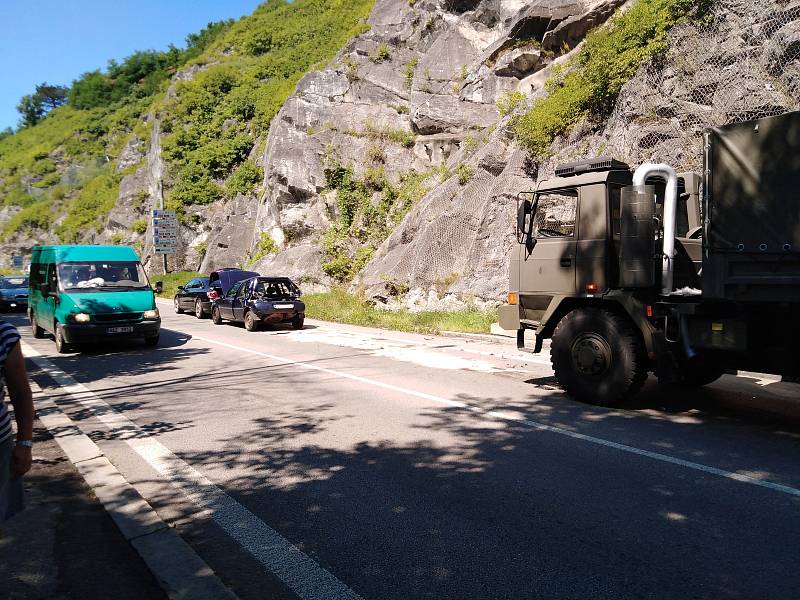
[(570, 246)]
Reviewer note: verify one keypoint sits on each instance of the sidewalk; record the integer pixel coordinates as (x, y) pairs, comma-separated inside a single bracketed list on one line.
[(65, 545)]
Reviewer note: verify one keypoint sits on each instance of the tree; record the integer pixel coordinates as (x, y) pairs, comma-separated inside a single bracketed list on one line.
[(32, 109), (4, 133), (52, 96)]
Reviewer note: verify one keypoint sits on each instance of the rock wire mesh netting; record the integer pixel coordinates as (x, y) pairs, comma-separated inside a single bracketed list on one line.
[(743, 64)]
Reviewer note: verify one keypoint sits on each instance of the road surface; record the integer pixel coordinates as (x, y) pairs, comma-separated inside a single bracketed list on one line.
[(342, 462)]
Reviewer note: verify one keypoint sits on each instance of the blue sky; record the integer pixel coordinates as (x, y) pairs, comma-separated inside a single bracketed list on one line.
[(58, 40)]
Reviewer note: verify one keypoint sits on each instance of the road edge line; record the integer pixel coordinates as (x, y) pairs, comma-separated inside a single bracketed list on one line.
[(177, 568)]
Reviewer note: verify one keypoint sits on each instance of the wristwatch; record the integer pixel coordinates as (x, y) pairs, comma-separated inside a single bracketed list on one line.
[(27, 443)]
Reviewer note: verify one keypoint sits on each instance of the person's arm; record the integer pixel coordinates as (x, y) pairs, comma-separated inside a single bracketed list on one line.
[(19, 391)]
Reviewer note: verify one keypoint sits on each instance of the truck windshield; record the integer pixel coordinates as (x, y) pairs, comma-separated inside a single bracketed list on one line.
[(102, 275)]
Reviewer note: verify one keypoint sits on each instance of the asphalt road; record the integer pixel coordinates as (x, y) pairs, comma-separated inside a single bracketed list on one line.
[(342, 462)]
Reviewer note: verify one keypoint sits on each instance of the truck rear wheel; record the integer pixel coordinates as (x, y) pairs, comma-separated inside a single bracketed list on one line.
[(598, 357)]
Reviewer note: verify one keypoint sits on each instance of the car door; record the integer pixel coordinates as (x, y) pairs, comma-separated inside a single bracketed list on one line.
[(184, 296), (548, 269), (226, 303), (239, 300)]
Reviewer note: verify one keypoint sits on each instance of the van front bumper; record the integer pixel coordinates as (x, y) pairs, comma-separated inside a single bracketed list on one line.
[(78, 333)]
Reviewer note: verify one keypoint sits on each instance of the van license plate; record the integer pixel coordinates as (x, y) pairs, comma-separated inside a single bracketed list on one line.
[(120, 330)]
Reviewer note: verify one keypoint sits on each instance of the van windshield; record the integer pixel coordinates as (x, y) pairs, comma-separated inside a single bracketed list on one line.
[(102, 275)]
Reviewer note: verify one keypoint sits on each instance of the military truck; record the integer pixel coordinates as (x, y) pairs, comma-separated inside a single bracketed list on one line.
[(682, 275)]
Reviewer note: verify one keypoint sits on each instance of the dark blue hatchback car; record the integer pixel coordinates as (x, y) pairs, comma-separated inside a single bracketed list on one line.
[(13, 292), (261, 300)]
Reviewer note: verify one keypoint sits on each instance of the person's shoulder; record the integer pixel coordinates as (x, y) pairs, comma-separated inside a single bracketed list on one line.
[(8, 334)]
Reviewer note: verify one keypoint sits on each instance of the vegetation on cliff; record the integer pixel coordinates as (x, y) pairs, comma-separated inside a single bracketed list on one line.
[(588, 87)]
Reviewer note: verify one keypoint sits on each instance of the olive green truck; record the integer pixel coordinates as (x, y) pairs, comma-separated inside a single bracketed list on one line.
[(682, 275)]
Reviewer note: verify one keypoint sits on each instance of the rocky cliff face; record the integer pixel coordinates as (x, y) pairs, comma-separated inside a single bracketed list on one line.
[(434, 70), (420, 92)]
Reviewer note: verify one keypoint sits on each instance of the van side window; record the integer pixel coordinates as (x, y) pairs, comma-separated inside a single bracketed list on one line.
[(555, 213), (52, 280), (234, 290)]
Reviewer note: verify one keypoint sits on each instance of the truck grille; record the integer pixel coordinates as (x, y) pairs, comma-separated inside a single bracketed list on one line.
[(117, 317)]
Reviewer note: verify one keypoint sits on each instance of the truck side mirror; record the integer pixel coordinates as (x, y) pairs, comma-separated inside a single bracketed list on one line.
[(159, 287), (525, 208)]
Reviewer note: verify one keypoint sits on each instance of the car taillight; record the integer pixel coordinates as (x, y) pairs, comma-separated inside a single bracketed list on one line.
[(212, 295)]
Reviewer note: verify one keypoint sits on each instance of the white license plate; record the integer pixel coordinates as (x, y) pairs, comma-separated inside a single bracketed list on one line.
[(120, 330), (283, 305)]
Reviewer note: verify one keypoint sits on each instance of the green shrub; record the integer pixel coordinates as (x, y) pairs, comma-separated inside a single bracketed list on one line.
[(89, 206), (264, 247), (139, 226), (244, 179), (409, 71), (116, 239), (381, 53), (509, 102), (465, 173), (610, 56), (37, 216), (375, 154)]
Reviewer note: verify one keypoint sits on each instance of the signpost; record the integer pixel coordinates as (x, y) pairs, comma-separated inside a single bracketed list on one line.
[(165, 233)]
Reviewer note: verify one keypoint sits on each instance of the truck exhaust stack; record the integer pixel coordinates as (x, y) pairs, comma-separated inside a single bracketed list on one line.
[(670, 206)]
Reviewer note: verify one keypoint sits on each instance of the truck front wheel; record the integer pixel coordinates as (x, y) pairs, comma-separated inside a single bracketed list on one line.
[(598, 356)]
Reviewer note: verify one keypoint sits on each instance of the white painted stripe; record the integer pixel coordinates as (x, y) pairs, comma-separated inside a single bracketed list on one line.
[(507, 417), (299, 572)]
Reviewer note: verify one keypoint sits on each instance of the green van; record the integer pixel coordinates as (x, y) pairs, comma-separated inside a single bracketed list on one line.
[(91, 294)]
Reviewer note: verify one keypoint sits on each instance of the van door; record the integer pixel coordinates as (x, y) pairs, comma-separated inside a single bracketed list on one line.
[(549, 268), (46, 308)]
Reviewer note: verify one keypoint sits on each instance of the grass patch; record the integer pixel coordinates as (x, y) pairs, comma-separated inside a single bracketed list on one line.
[(172, 281), (341, 307), (610, 57)]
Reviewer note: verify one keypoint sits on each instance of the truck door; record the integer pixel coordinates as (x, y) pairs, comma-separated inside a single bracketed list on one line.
[(549, 268)]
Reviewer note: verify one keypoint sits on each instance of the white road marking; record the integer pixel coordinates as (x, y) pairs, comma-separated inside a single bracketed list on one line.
[(509, 417), (299, 572)]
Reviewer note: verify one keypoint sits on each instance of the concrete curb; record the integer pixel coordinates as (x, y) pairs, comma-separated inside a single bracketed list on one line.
[(180, 572)]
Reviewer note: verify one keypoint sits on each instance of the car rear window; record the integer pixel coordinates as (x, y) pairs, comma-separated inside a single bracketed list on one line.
[(13, 282), (275, 290)]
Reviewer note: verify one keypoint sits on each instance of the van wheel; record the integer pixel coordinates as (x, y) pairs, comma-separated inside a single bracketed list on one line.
[(598, 357), (250, 322), (178, 309), (38, 332), (216, 318), (297, 322), (151, 341), (62, 347)]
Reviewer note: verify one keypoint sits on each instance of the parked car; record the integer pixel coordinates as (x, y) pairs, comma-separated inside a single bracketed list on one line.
[(193, 297), (222, 280), (88, 294), (13, 293), (261, 300)]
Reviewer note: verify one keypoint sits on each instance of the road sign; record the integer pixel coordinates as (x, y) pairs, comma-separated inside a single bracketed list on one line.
[(165, 231), (16, 261)]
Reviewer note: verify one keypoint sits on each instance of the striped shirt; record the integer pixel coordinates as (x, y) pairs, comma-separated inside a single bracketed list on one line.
[(8, 339)]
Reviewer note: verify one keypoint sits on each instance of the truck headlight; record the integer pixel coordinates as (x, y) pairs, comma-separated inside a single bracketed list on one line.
[(151, 315), (80, 318)]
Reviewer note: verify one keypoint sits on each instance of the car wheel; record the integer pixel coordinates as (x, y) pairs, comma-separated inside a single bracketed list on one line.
[(151, 341), (38, 332), (297, 322), (198, 309), (216, 318), (62, 347), (250, 322), (178, 309), (598, 357)]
